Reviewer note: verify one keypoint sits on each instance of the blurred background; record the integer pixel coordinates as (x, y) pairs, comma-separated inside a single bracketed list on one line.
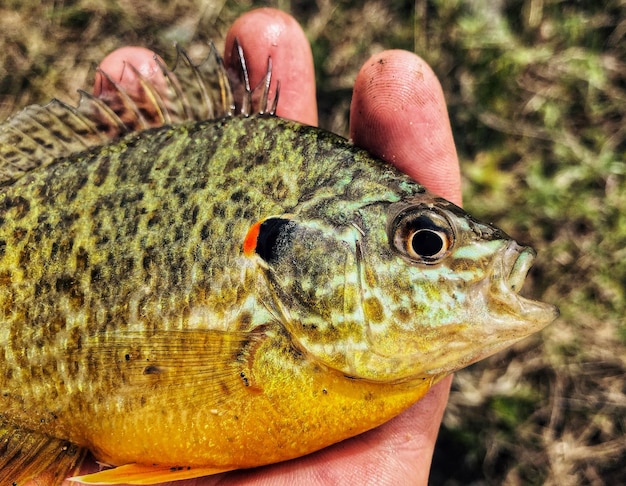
[(536, 91)]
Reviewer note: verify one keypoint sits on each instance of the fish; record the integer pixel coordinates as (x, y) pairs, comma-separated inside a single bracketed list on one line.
[(210, 288)]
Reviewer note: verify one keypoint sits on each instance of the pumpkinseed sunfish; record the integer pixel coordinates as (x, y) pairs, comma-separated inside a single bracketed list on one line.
[(222, 290)]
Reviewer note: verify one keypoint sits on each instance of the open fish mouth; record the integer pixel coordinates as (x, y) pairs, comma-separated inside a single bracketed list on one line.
[(507, 280)]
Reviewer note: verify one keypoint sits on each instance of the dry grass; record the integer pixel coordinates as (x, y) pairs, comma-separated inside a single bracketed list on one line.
[(537, 97)]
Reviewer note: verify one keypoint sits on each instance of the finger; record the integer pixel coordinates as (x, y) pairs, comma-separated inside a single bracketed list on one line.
[(269, 33), (398, 112)]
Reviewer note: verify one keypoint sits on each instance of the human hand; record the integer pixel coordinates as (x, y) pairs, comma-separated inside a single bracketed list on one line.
[(398, 113)]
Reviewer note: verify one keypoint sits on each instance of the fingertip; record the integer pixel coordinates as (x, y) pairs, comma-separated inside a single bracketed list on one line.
[(398, 112), (269, 33), (116, 66)]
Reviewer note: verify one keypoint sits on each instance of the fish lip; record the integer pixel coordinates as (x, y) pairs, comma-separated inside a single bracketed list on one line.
[(507, 280), (518, 259)]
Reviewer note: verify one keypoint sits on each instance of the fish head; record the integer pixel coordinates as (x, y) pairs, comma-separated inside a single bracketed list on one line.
[(398, 290), (458, 282)]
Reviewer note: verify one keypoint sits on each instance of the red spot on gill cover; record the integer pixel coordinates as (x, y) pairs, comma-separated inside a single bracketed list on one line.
[(249, 242)]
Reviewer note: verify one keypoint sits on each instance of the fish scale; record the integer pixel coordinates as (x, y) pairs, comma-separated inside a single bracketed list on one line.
[(206, 295)]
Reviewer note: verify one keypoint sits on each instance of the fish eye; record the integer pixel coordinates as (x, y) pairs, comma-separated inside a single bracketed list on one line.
[(421, 234)]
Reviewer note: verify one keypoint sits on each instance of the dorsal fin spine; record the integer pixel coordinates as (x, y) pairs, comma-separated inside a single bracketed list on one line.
[(225, 90), (128, 104), (155, 99), (59, 109), (85, 109), (246, 103), (206, 100)]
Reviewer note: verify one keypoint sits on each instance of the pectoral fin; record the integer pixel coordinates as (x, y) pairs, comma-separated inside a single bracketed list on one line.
[(140, 474), (28, 455), (207, 366)]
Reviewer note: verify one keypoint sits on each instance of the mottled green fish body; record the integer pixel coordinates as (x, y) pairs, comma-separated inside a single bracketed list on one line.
[(186, 296)]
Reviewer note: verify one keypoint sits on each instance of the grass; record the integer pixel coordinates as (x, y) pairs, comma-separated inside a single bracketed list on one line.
[(537, 98)]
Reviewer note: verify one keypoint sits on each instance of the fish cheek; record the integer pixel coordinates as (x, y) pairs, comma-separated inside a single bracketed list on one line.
[(312, 274)]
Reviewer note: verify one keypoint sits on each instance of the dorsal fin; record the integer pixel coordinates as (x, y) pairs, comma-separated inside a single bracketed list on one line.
[(37, 135), (201, 92)]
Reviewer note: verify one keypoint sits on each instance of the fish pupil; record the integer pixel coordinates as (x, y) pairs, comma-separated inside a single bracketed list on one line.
[(427, 243), (270, 232)]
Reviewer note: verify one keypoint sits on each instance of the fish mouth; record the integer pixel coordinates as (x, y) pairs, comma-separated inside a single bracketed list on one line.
[(507, 280)]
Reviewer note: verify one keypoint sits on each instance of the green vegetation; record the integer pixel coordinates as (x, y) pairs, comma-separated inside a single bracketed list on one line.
[(537, 98)]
